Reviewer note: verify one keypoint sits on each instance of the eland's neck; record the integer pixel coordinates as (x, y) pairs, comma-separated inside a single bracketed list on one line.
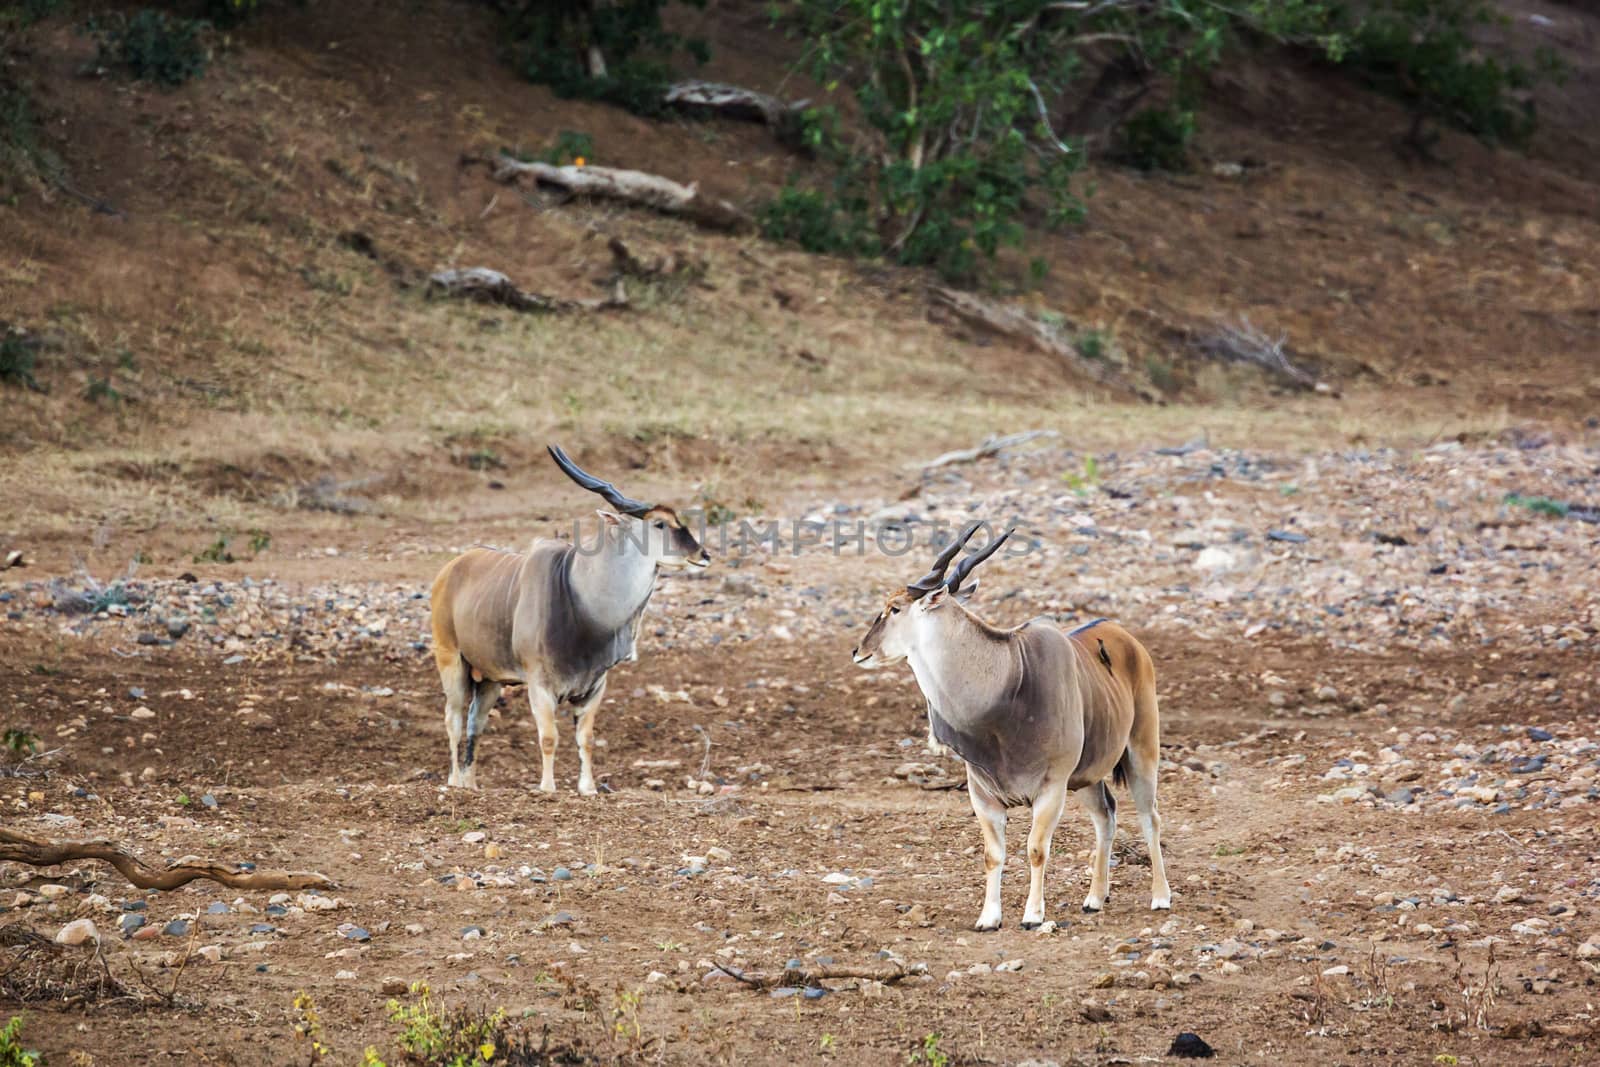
[(963, 667), (612, 581)]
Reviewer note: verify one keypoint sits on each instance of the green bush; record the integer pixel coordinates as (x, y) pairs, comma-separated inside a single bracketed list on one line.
[(956, 147), (1422, 51), (817, 222), (153, 45), (957, 132), (557, 43), (1156, 139)]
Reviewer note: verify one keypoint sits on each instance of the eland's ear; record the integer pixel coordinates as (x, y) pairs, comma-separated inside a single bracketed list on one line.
[(610, 518), (966, 592), (934, 600)]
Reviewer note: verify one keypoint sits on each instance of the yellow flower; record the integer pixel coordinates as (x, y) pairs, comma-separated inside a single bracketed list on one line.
[(578, 162), (486, 1050)]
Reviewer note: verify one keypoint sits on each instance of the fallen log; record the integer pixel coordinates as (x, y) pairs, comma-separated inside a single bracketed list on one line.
[(1020, 326), (492, 287), (19, 848), (630, 187), (733, 102), (992, 445), (807, 976)]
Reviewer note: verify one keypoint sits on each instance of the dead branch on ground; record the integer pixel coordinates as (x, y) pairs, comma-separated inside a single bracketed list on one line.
[(992, 445), (733, 102), (1244, 343), (1020, 326), (492, 287), (19, 848), (808, 976), (629, 187)]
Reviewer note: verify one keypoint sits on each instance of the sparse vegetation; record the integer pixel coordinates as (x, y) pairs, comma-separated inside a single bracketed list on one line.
[(25, 161), (20, 741), (1092, 344), (1539, 505), (18, 358), (12, 1052), (928, 1053), (571, 146)]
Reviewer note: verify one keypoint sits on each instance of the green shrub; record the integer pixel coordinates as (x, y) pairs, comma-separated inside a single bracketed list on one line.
[(1422, 51), (957, 132), (153, 45), (1156, 139)]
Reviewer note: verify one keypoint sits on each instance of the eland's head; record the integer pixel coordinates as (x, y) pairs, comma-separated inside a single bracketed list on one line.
[(890, 637), (655, 529)]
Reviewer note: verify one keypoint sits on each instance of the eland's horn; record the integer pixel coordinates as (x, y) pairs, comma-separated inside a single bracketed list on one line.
[(935, 578), (966, 566), (625, 505)]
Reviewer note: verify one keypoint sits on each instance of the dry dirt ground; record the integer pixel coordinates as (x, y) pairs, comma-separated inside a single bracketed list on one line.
[(1307, 925), (242, 362)]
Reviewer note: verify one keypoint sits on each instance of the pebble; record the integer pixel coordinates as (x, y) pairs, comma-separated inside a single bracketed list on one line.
[(77, 932)]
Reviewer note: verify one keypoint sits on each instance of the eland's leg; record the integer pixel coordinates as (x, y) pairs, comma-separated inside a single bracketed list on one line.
[(475, 718), (1047, 809), (457, 695), (1142, 767), (585, 733), (544, 715), (992, 824), (1102, 810)]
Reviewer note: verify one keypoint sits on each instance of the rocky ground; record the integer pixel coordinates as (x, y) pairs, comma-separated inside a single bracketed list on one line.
[(1381, 708)]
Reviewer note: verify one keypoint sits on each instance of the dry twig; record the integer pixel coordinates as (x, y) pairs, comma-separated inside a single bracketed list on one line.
[(992, 445)]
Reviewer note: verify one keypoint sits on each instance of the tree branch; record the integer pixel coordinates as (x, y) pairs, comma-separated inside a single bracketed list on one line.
[(19, 848)]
